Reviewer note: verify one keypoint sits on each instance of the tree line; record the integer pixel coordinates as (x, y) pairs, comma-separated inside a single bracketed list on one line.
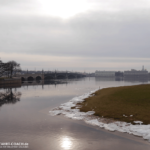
[(9, 69)]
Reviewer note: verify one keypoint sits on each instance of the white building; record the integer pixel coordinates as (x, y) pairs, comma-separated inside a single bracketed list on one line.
[(104, 73), (136, 73)]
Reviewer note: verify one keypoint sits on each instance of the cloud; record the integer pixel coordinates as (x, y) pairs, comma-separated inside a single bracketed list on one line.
[(86, 35), (95, 33)]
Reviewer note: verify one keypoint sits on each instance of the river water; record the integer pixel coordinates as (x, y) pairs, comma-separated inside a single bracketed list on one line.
[(24, 117)]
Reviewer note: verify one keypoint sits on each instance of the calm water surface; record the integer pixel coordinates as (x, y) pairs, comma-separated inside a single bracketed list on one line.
[(26, 119)]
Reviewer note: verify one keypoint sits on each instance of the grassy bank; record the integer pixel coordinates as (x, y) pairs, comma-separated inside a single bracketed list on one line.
[(118, 101)]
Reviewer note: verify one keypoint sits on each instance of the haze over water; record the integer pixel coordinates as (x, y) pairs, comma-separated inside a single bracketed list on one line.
[(28, 119)]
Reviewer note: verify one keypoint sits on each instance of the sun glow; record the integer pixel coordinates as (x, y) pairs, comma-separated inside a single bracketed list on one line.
[(63, 8), (66, 143)]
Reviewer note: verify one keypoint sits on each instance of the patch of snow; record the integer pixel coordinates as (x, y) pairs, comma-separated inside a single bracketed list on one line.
[(89, 118), (138, 122)]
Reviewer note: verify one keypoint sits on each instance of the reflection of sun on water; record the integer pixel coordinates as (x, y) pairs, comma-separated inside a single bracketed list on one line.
[(66, 143)]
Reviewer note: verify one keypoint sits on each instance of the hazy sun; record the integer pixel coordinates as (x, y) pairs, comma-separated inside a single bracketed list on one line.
[(63, 8), (66, 143)]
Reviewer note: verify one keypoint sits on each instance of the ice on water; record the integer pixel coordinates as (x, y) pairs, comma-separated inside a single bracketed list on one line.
[(65, 109)]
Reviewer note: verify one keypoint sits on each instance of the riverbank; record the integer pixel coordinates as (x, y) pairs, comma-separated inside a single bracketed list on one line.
[(72, 109), (127, 103), (7, 82)]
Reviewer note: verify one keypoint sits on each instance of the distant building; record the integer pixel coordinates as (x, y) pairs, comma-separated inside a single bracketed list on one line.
[(136, 73), (104, 73), (90, 74), (119, 74)]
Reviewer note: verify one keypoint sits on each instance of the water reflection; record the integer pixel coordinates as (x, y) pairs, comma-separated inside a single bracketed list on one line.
[(55, 82), (70, 81), (44, 82), (133, 79), (137, 79), (38, 81), (30, 82), (66, 143), (9, 97), (105, 78)]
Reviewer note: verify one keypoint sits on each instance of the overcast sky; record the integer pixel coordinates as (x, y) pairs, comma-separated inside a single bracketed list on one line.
[(76, 34)]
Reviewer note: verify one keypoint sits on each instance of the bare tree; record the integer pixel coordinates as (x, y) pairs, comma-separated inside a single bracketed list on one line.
[(9, 68), (3, 68), (14, 67)]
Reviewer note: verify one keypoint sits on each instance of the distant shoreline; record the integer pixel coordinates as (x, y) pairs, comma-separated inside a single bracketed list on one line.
[(10, 82)]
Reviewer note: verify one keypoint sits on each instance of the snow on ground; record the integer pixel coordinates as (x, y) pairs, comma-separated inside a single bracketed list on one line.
[(89, 118)]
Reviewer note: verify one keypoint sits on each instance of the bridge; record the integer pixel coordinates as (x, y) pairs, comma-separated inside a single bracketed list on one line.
[(32, 77), (51, 75), (63, 75)]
